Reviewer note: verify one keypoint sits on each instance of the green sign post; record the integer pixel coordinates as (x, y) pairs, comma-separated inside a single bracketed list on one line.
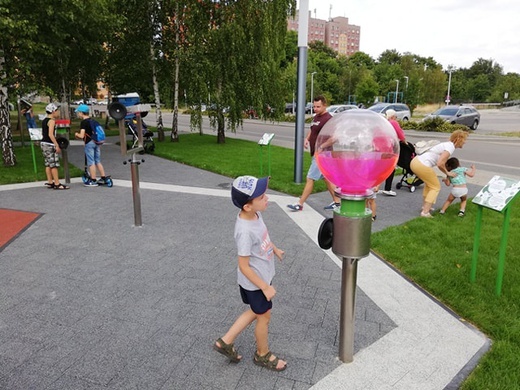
[(497, 195), (265, 141), (36, 136)]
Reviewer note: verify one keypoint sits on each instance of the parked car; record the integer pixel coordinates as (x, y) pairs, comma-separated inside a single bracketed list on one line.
[(337, 108), (402, 111), (464, 115), (309, 108), (290, 108)]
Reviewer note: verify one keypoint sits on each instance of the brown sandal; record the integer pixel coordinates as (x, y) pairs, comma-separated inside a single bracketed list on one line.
[(227, 350), (61, 187), (264, 361)]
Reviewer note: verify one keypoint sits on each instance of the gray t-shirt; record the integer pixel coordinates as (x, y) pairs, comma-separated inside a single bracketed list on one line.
[(253, 240)]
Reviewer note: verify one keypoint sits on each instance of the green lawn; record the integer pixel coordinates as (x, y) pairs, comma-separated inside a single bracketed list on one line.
[(435, 253)]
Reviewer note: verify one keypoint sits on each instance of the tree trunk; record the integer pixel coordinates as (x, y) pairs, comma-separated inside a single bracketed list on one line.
[(64, 107), (158, 114), (174, 137), (6, 137), (221, 124)]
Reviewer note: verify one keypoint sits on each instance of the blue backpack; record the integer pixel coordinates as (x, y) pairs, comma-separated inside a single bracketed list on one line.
[(98, 133)]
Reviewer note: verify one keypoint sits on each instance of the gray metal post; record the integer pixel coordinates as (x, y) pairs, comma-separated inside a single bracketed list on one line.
[(66, 171), (136, 195), (347, 310), (303, 29)]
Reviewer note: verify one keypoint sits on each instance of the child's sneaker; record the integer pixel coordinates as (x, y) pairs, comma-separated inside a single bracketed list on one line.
[(91, 183), (461, 213), (295, 207)]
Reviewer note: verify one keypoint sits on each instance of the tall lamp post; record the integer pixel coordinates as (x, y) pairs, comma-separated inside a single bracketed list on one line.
[(312, 87), (396, 91), (448, 97), (406, 89)]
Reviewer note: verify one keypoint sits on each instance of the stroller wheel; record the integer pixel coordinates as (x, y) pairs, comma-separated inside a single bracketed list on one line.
[(398, 186), (412, 189), (85, 178)]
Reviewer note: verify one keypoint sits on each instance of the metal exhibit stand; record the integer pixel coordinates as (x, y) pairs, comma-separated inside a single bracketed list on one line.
[(348, 233), (351, 242), (62, 137), (118, 111), (496, 195), (355, 151)]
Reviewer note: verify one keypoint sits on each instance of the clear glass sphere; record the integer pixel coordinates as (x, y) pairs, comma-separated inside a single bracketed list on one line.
[(356, 150)]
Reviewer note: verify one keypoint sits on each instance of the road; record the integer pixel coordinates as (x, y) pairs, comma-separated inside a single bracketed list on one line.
[(491, 153)]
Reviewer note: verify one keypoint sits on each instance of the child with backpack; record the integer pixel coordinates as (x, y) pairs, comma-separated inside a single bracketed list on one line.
[(93, 136)]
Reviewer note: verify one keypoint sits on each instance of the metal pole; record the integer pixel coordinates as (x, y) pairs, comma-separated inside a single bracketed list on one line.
[(134, 170), (312, 86), (347, 311), (301, 91), (65, 158), (396, 91), (448, 98), (406, 89)]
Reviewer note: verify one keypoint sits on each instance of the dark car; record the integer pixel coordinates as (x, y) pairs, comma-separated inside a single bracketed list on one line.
[(464, 115), (290, 108)]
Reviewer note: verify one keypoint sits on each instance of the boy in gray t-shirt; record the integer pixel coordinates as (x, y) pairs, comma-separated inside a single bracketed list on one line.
[(255, 271)]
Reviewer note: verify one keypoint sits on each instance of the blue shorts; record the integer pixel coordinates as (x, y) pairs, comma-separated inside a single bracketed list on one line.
[(314, 172), (93, 153), (256, 300)]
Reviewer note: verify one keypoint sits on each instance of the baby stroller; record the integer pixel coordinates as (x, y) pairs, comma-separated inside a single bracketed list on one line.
[(148, 142), (406, 154)]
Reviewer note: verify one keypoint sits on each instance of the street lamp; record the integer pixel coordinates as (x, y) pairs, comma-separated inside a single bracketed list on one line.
[(312, 86), (406, 88), (396, 91), (448, 98)]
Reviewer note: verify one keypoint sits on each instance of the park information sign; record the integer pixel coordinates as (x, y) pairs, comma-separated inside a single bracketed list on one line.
[(497, 193)]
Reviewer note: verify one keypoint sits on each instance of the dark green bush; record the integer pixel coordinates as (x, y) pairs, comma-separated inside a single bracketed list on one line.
[(433, 124)]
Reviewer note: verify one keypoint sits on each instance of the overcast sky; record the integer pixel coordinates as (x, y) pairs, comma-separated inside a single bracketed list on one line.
[(453, 32)]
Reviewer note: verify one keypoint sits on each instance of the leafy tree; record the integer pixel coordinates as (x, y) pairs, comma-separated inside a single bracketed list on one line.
[(366, 89), (361, 60), (320, 47), (510, 84), (479, 88), (235, 60), (390, 57)]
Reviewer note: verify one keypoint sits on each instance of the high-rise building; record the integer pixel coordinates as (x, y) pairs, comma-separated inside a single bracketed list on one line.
[(336, 33)]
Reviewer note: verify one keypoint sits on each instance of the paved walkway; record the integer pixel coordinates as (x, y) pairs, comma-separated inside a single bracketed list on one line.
[(89, 301)]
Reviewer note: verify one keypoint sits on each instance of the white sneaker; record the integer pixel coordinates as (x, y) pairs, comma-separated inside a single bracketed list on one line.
[(390, 193)]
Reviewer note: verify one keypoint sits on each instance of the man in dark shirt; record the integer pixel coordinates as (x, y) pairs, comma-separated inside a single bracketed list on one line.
[(322, 116)]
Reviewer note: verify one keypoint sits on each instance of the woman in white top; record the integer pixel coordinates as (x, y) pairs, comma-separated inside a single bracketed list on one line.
[(422, 166)]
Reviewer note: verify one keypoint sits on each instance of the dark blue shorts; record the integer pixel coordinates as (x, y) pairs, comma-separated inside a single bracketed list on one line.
[(256, 300)]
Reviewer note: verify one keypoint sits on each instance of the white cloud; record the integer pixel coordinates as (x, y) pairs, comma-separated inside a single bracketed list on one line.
[(452, 32)]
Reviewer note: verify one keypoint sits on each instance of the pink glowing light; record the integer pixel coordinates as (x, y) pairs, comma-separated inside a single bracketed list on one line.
[(357, 150)]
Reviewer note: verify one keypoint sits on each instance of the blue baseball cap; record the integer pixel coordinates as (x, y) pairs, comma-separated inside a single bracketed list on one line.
[(246, 188), (83, 108)]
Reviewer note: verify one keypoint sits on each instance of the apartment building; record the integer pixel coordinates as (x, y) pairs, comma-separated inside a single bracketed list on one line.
[(337, 33)]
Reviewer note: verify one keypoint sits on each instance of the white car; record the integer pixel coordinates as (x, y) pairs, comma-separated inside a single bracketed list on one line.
[(401, 110), (337, 108)]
